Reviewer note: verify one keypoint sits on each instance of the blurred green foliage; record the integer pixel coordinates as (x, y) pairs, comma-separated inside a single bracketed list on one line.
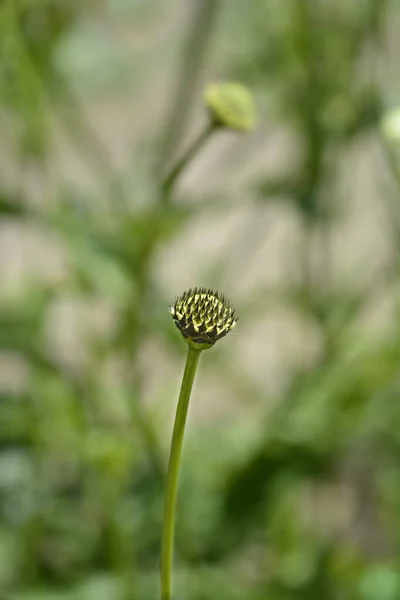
[(301, 501)]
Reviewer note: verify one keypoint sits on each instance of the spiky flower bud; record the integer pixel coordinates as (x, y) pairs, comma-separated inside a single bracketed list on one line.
[(231, 105), (203, 317)]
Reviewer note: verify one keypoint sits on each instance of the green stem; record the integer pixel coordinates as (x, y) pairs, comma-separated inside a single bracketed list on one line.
[(197, 40), (167, 542), (173, 175)]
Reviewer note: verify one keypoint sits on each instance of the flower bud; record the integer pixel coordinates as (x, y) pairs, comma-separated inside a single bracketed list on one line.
[(203, 317), (230, 105)]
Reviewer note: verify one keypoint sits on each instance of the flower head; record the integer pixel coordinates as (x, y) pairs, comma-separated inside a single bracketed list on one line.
[(203, 317), (231, 105)]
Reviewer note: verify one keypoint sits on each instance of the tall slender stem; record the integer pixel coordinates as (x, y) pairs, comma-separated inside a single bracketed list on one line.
[(167, 543), (177, 169), (200, 29)]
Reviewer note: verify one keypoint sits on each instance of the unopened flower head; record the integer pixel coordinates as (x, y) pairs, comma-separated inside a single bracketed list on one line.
[(231, 105), (203, 317)]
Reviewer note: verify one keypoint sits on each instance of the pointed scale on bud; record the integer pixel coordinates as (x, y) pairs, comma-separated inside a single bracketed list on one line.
[(203, 317), (230, 105)]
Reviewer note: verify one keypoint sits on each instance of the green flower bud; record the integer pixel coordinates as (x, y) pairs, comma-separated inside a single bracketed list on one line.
[(203, 317), (231, 105)]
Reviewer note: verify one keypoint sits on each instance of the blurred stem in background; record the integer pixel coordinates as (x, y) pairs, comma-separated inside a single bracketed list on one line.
[(312, 94), (193, 54), (179, 167)]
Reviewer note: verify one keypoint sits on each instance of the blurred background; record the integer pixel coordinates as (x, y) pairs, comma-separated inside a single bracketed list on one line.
[(290, 484)]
